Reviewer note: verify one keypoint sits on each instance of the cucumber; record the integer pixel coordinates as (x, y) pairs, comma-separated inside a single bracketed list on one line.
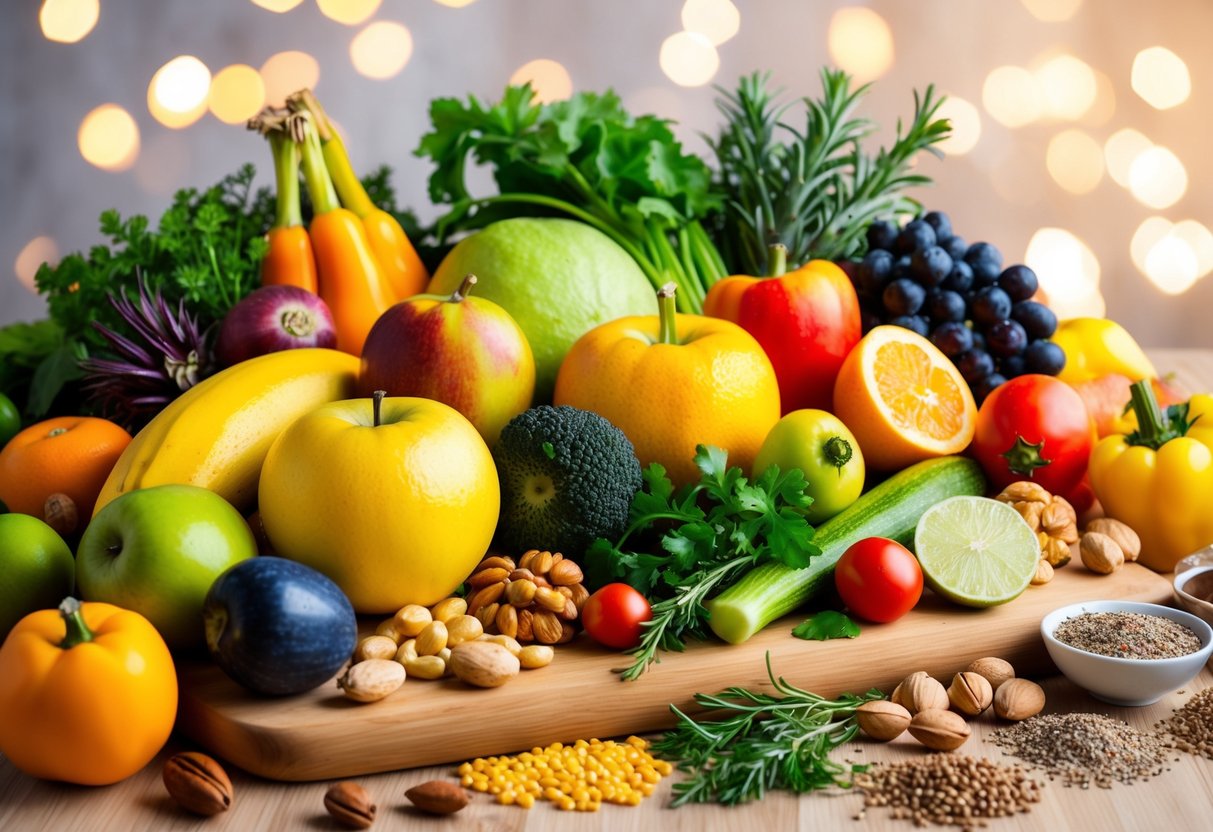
[(890, 510)]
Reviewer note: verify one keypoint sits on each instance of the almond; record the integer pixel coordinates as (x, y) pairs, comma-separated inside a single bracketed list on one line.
[(882, 720), (483, 664), (939, 730), (438, 797), (1124, 537)]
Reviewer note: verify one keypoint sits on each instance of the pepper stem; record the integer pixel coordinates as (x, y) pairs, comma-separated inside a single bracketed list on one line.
[(1151, 429), (1023, 457), (777, 260), (77, 630), (464, 289), (376, 403), (667, 328), (837, 452)]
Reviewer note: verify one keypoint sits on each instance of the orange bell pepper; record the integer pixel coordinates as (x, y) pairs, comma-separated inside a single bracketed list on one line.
[(402, 267), (289, 260), (350, 279), (88, 693)]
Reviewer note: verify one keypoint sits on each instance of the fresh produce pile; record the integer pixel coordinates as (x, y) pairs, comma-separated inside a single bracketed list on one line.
[(631, 391)]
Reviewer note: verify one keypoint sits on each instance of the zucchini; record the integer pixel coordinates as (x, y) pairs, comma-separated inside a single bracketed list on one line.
[(890, 509)]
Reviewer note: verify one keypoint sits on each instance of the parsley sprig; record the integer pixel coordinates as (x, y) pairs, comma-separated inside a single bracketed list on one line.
[(716, 530)]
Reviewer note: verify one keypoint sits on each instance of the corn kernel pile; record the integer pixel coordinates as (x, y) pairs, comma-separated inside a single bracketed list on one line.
[(581, 776)]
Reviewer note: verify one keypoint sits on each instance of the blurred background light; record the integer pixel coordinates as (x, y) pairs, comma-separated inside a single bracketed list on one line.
[(109, 138), (237, 94), (1069, 87), (717, 20), (861, 42), (277, 5), (1157, 178), (1161, 78), (1075, 161), (1012, 96), (349, 12), (1148, 235), (1068, 272), (36, 252), (288, 72), (163, 164), (689, 59), (66, 21), (549, 79), (1200, 240), (455, 4), (1052, 11), (966, 126), (1120, 152), (177, 94), (381, 50), (1171, 265)]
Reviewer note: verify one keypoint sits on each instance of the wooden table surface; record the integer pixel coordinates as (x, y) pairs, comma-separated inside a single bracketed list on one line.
[(1181, 798)]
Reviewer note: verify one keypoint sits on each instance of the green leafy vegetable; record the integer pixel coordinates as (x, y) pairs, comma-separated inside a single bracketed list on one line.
[(812, 188), (586, 158), (23, 348), (763, 742), (705, 550), (826, 625)]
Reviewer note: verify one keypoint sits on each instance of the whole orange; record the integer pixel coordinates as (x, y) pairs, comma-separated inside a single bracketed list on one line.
[(671, 382), (69, 455)]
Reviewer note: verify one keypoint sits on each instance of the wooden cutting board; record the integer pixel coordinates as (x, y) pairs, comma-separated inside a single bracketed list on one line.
[(322, 735)]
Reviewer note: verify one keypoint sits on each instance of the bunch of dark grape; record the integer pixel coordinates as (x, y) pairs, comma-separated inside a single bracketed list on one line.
[(982, 316)]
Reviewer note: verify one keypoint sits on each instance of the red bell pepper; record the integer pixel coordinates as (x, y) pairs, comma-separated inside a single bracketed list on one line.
[(806, 320)]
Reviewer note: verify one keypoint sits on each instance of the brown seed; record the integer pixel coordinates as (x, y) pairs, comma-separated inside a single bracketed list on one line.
[(882, 720), (492, 575), (580, 595), (970, 693), (939, 730), (60, 513), (520, 592), (1018, 699), (487, 616), (994, 669), (495, 562), (526, 630), (507, 620), (546, 627), (198, 783), (350, 805), (565, 573), (550, 599), (569, 613), (919, 692), (484, 596), (438, 797)]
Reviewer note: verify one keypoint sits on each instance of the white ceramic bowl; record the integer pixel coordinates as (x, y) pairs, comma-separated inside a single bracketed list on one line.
[(1126, 681)]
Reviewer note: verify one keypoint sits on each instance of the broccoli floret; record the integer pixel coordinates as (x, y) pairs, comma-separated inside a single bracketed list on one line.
[(567, 477)]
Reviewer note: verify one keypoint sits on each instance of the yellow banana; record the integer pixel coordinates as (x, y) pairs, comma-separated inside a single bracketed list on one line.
[(217, 433)]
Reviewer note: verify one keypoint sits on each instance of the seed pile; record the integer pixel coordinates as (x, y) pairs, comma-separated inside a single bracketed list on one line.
[(1127, 635), (581, 776), (1191, 727), (1085, 749), (949, 790)]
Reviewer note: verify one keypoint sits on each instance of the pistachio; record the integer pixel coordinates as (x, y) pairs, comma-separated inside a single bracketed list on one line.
[(1100, 553), (970, 693), (1121, 534), (882, 720), (939, 730), (996, 671), (350, 805), (372, 680), (919, 692), (198, 783), (1018, 699)]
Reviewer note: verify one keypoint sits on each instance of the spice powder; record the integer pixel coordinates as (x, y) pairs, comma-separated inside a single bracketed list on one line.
[(1127, 635)]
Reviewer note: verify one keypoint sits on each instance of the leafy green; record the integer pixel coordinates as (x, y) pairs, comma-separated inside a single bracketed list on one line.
[(764, 742), (705, 550), (812, 188), (826, 625), (587, 158), (23, 348)]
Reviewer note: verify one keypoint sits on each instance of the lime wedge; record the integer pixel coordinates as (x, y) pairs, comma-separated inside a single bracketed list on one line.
[(975, 551)]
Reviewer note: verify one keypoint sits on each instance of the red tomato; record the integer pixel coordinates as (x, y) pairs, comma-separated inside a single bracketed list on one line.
[(613, 615), (878, 579), (1034, 428)]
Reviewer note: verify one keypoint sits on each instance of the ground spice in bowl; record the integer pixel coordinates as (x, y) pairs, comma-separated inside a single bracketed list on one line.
[(1084, 749), (1128, 635), (1191, 727)]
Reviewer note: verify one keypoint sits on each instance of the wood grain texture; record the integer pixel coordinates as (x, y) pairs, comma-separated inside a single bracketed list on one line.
[(322, 734)]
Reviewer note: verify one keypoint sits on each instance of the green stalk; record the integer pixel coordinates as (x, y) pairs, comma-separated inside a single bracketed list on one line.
[(77, 631), (667, 326), (286, 178), (336, 158), (315, 173), (1151, 429)]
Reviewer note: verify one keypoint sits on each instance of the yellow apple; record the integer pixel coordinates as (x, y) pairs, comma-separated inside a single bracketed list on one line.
[(396, 503)]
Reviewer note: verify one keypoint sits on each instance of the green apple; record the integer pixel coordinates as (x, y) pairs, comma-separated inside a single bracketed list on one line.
[(157, 551), (36, 568)]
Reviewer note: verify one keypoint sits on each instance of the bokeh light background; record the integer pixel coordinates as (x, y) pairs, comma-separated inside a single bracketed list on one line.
[(1081, 126)]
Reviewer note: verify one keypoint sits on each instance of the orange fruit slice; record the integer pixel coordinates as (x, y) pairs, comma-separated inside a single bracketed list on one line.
[(903, 399)]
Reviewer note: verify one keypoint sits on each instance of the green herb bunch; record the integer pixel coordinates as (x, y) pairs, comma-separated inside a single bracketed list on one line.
[(711, 533), (762, 742)]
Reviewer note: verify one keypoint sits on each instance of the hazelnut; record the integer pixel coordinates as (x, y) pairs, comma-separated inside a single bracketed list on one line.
[(60, 513), (970, 693), (350, 805), (939, 730), (1044, 572), (996, 671), (882, 720), (438, 797), (919, 692), (198, 783), (1124, 537), (1018, 699), (1100, 553)]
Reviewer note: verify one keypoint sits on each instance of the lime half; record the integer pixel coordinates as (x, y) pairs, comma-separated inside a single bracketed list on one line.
[(975, 551)]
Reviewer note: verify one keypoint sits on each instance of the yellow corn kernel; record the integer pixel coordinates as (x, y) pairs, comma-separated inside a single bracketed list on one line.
[(526, 801), (507, 798), (552, 793)]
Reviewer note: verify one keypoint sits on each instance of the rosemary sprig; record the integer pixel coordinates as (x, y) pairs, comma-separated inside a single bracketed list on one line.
[(780, 741), (814, 190)]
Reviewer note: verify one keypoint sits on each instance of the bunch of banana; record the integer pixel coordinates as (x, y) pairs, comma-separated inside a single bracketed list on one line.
[(217, 433)]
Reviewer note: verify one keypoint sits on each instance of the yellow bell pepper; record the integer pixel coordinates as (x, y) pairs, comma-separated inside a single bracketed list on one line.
[(1159, 479), (88, 693), (1095, 347)]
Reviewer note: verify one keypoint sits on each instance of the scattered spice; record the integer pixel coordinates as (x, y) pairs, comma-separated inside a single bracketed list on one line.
[(1128, 635), (949, 790), (1081, 749), (580, 776), (1191, 727)]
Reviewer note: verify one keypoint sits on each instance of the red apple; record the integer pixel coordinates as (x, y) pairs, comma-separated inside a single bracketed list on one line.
[(466, 352)]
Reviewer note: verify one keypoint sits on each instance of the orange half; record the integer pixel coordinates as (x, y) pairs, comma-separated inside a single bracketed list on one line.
[(903, 399)]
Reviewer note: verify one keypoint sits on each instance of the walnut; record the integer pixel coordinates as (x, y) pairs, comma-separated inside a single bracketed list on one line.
[(1051, 517)]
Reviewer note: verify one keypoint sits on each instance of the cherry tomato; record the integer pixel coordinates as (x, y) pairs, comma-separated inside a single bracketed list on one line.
[(878, 579), (613, 615), (1036, 428)]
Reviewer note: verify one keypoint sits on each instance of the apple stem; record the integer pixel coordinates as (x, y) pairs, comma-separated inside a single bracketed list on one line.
[(73, 620), (377, 398), (777, 260), (667, 329), (465, 288)]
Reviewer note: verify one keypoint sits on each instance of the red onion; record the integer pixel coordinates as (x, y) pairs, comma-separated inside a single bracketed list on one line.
[(274, 318)]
